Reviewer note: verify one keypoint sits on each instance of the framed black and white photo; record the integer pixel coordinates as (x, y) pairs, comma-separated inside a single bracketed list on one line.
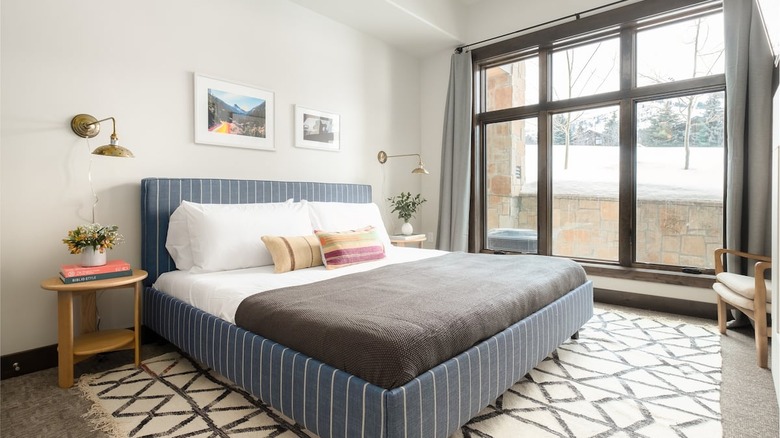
[(316, 129), (231, 114)]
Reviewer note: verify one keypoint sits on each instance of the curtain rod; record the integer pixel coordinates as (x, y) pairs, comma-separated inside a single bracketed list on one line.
[(459, 49)]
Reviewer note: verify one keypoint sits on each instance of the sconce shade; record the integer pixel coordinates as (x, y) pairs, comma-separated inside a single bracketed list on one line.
[(87, 126), (420, 169), (113, 151)]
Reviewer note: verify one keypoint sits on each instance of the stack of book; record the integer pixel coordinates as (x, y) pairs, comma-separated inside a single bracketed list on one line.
[(77, 273)]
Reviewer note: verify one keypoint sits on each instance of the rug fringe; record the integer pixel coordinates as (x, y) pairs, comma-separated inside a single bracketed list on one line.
[(97, 417)]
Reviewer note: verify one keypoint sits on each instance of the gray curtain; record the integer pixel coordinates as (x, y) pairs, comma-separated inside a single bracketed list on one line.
[(454, 200), (749, 70)]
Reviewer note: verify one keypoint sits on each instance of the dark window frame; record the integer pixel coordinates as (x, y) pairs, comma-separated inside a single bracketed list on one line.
[(624, 22)]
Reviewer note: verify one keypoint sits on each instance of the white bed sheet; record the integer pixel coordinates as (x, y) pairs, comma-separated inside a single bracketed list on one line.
[(220, 293)]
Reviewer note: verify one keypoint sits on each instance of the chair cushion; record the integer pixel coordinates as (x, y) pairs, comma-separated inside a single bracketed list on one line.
[(739, 289), (743, 284)]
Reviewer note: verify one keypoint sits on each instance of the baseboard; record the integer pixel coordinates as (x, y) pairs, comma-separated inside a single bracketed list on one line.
[(42, 358), (30, 361), (659, 304)]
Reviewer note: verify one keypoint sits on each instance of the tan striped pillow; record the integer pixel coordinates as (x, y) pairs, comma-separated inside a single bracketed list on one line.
[(293, 252)]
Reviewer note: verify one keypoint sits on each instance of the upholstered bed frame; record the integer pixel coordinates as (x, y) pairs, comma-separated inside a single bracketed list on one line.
[(325, 400)]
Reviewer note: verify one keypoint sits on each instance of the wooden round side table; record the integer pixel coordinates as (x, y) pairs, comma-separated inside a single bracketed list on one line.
[(70, 349)]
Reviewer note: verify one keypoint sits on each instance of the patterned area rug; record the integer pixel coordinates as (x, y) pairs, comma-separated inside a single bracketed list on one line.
[(625, 376)]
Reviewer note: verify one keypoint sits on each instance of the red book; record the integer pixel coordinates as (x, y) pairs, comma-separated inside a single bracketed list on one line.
[(69, 271)]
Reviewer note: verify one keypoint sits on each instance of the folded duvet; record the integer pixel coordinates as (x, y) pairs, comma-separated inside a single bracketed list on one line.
[(393, 323)]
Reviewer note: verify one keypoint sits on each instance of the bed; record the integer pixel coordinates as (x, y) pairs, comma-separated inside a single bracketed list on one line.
[(326, 400)]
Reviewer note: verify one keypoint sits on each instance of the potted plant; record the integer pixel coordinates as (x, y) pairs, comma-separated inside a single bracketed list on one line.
[(406, 206), (92, 241)]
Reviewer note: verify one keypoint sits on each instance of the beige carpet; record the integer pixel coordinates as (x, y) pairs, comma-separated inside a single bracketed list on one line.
[(627, 375)]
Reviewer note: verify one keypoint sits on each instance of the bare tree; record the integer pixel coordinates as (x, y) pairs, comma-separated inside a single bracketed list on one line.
[(701, 34), (573, 80)]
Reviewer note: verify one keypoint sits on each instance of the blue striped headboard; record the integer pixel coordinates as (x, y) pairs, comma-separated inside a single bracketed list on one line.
[(161, 196)]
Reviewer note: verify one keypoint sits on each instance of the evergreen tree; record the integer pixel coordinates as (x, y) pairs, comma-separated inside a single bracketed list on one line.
[(612, 131), (666, 126), (712, 121), (560, 126)]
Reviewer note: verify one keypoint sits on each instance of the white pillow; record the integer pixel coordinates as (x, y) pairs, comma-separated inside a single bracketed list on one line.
[(178, 241), (344, 216), (228, 236)]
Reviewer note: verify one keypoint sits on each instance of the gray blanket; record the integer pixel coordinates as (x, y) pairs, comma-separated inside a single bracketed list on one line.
[(391, 324)]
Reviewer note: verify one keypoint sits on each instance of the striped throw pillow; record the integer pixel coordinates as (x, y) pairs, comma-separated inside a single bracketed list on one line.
[(350, 247), (293, 252)]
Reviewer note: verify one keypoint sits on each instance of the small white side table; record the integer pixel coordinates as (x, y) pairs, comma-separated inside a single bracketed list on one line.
[(403, 240)]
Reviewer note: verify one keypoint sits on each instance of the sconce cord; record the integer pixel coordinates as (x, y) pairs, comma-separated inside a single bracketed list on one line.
[(89, 178)]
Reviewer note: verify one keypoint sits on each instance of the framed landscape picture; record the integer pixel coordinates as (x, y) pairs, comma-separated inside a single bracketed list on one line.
[(231, 114), (316, 129)]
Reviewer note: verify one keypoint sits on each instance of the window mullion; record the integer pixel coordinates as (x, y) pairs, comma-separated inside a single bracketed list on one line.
[(544, 135), (627, 191)]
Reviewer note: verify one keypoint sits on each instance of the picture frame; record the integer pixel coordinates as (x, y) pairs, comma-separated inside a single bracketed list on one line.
[(232, 114), (316, 129)]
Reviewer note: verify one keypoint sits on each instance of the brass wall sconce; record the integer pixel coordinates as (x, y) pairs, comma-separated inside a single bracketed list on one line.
[(382, 157), (87, 126)]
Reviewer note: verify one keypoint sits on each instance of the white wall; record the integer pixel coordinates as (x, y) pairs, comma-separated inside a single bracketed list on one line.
[(775, 308), (444, 15), (134, 61)]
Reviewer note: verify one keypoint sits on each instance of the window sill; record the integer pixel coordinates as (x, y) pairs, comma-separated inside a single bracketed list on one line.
[(650, 275), (642, 274)]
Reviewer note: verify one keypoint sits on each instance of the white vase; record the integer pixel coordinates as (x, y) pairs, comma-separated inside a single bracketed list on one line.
[(91, 257), (407, 229)]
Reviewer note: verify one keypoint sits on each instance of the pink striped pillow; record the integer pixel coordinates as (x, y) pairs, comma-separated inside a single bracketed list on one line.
[(346, 248)]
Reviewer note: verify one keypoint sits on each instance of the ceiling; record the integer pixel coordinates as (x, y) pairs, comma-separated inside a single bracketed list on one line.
[(418, 27)]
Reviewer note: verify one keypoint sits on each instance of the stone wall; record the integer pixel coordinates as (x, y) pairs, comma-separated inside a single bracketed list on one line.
[(505, 144), (684, 232)]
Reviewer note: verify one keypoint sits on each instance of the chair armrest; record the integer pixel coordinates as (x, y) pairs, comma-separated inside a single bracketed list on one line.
[(760, 269), (720, 252)]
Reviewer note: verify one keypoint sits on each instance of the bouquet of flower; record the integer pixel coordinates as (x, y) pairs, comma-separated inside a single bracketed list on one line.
[(96, 236), (406, 205)]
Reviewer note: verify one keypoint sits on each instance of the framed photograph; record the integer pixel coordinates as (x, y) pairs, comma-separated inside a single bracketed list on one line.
[(316, 129), (231, 114)]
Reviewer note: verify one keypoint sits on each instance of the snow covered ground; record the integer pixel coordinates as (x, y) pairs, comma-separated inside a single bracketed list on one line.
[(594, 170)]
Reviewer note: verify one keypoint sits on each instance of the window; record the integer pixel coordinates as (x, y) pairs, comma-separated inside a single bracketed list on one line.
[(586, 70), (512, 161), (507, 84), (586, 182), (695, 45), (606, 143), (679, 179)]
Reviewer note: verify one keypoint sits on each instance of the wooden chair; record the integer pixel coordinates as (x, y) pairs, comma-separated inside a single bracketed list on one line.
[(749, 295)]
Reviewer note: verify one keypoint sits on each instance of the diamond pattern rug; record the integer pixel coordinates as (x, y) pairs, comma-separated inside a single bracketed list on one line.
[(626, 376)]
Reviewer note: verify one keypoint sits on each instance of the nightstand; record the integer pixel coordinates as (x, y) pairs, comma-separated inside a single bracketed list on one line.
[(403, 240), (70, 349)]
